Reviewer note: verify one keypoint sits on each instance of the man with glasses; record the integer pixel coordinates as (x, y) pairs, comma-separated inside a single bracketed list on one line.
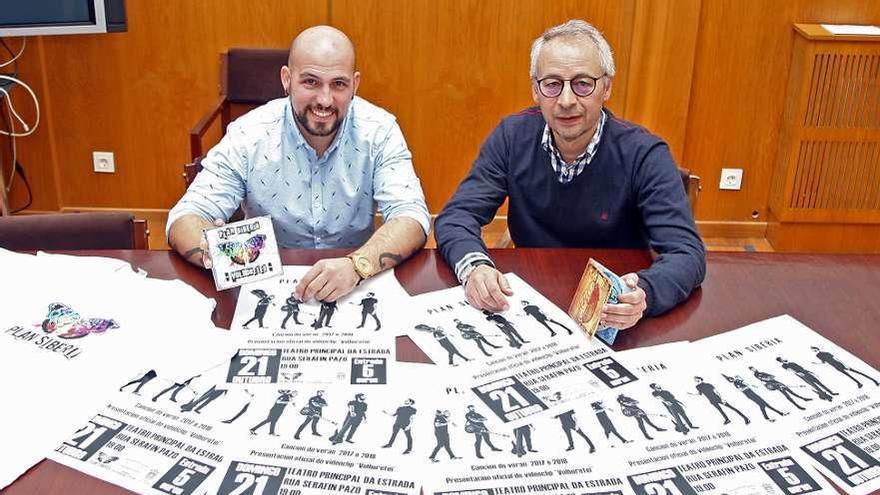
[(317, 162), (575, 176)]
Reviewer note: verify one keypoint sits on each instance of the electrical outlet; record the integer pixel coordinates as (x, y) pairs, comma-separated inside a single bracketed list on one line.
[(731, 179), (103, 162)]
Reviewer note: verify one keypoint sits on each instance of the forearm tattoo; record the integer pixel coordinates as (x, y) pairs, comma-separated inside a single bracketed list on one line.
[(395, 258), (195, 250)]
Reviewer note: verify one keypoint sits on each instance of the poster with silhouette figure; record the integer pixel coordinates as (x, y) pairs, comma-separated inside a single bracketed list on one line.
[(690, 430), (779, 370), (375, 309), (823, 396), (561, 452), (243, 252), (537, 380), (157, 440), (334, 439), (457, 336), (72, 331), (348, 341)]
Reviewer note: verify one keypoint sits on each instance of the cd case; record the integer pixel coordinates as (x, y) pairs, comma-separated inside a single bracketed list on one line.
[(243, 252), (598, 286)]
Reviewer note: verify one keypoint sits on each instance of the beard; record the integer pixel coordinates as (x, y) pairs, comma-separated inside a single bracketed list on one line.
[(318, 130)]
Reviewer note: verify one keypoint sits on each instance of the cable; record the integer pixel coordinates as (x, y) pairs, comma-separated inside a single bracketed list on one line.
[(27, 186), (28, 130), (12, 148), (12, 109), (14, 56), (17, 168), (13, 77)]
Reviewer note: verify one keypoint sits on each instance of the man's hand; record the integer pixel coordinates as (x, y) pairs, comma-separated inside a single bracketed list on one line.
[(207, 262), (486, 287), (328, 280), (630, 308)]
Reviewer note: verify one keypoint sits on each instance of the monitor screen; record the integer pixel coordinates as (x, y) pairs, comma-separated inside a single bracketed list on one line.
[(48, 17), (46, 12)]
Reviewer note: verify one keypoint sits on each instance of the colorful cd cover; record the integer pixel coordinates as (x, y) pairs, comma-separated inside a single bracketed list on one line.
[(243, 252), (598, 286)]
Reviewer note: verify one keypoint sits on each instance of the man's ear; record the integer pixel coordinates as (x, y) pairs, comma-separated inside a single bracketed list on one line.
[(606, 93), (535, 92), (285, 79), (355, 82)]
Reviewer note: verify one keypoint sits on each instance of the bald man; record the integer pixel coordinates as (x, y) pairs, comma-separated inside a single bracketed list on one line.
[(316, 162)]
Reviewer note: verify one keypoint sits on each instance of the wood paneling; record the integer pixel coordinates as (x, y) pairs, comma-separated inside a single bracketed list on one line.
[(137, 93), (709, 76), (827, 169), (823, 237), (661, 68), (738, 93), (34, 151), (451, 70)]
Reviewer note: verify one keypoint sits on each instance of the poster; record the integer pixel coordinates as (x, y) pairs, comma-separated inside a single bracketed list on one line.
[(71, 330), (349, 341)]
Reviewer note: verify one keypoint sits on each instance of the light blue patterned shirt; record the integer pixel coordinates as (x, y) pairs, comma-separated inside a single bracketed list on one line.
[(264, 163)]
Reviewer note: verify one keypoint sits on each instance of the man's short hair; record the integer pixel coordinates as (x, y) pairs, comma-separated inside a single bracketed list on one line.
[(578, 30)]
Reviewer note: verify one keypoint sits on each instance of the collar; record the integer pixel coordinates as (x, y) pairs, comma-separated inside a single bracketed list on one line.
[(587, 156)]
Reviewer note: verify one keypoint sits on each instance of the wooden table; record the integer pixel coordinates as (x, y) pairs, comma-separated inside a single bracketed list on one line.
[(836, 295)]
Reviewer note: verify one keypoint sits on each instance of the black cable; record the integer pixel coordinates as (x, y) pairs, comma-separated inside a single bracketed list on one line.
[(19, 169)]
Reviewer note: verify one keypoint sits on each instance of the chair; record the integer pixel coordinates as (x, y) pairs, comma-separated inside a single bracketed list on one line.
[(691, 187), (190, 170), (73, 231), (248, 77)]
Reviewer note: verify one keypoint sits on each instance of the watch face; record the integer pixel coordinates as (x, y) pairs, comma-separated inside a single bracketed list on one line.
[(362, 263)]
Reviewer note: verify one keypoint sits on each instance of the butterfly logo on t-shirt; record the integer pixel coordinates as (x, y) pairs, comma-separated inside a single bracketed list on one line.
[(60, 316), (243, 252)]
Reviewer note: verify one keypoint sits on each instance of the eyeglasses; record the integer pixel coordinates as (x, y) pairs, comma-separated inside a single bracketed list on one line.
[(551, 87)]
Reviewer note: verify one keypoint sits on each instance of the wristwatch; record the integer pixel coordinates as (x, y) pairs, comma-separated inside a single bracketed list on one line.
[(466, 273), (362, 265)]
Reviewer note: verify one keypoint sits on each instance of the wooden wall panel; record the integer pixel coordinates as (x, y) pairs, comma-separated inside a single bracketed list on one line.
[(661, 68), (738, 93), (138, 93), (707, 75), (451, 70), (34, 151)]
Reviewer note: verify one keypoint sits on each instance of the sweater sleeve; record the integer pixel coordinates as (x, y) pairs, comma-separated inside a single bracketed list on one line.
[(680, 264), (475, 202)]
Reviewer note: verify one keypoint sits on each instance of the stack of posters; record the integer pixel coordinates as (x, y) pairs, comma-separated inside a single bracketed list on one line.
[(307, 398), (72, 330), (789, 378)]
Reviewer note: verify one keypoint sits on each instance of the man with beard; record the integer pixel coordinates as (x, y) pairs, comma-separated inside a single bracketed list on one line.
[(357, 412), (316, 162), (476, 423), (441, 433)]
